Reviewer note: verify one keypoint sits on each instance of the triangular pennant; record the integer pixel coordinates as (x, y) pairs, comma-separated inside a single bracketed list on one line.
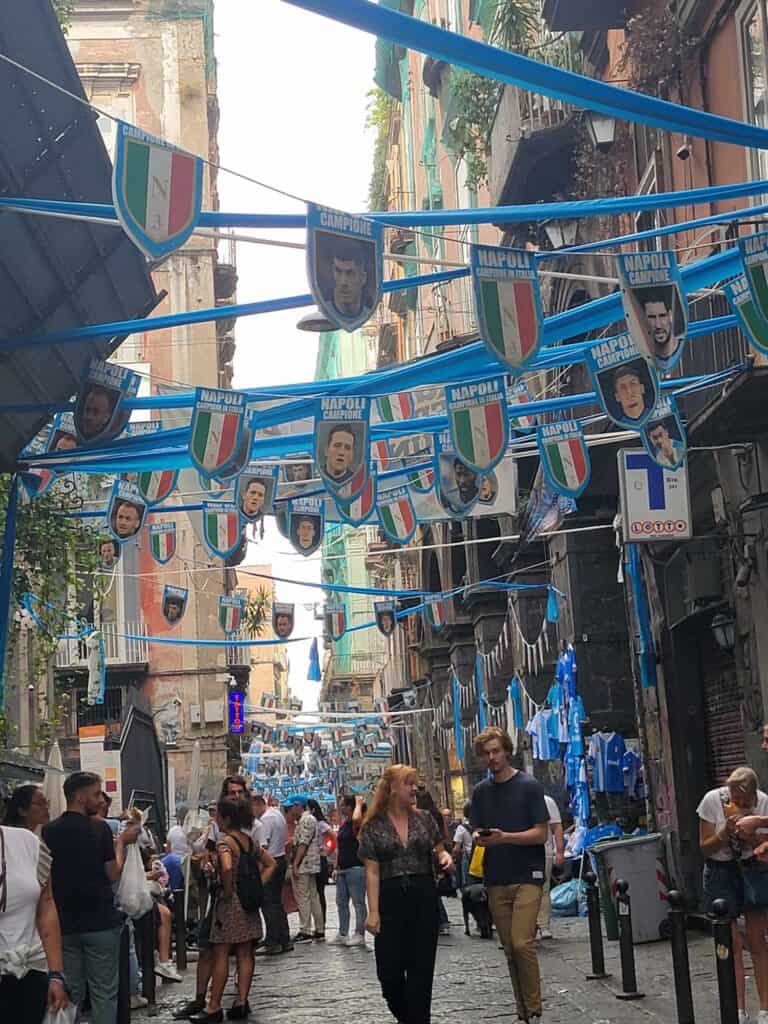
[(508, 302)]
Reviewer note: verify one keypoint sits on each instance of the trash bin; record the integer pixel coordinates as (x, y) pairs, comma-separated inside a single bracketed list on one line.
[(639, 861), (607, 901)]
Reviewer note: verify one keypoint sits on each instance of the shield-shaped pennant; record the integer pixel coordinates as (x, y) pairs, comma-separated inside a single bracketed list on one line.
[(385, 613), (155, 486), (216, 430), (625, 381), (342, 444), (283, 618), (306, 523), (564, 456), (174, 603), (256, 488), (344, 265), (508, 301), (751, 322), (140, 428), (381, 456), (37, 481), (336, 621), (458, 485), (162, 541), (423, 480), (517, 394), (230, 612), (477, 415), (655, 307), (395, 408), (98, 414), (397, 515), (434, 610), (126, 511), (221, 527), (361, 508), (754, 255), (210, 485), (62, 436), (157, 190), (664, 435)]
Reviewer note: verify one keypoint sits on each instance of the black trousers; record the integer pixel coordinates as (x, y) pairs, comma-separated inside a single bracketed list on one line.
[(23, 1001), (321, 880), (406, 946), (278, 933)]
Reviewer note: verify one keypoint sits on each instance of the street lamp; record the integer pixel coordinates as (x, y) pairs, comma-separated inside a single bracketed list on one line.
[(316, 322), (724, 631), (602, 130), (561, 233)]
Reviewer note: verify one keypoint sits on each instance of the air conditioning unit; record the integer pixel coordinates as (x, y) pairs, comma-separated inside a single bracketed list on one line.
[(194, 714)]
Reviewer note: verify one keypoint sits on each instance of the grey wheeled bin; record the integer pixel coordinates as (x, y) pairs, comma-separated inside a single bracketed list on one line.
[(640, 861)]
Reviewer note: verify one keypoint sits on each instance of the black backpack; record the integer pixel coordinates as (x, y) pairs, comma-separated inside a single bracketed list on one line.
[(250, 889)]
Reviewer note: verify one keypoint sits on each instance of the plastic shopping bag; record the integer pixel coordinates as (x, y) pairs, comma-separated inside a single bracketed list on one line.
[(66, 1016), (133, 893)]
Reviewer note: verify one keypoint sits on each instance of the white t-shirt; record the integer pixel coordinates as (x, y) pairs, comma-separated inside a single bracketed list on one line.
[(712, 809), (554, 819), (18, 930), (275, 831), (177, 841), (464, 836)]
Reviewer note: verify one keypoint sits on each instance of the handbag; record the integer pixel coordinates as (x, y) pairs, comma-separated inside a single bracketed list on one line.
[(755, 876)]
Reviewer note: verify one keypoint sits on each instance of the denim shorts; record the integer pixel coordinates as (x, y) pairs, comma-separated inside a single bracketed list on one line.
[(723, 881)]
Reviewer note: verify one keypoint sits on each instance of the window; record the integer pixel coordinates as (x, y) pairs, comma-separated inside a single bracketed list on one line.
[(647, 220), (752, 20)]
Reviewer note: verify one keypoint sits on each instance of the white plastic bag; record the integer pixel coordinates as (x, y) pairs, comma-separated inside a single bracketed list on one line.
[(65, 1016), (133, 893)]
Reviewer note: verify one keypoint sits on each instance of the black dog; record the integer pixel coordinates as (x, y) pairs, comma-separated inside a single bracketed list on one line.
[(474, 902)]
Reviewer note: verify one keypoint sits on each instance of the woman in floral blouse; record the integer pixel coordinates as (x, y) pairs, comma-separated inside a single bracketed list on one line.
[(400, 847)]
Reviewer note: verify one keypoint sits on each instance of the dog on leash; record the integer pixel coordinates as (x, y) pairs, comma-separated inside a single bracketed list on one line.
[(474, 903)]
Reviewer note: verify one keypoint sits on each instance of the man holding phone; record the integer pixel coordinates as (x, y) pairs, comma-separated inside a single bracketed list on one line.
[(510, 821)]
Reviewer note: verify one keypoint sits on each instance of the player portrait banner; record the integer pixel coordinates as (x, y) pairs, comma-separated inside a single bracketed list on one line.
[(256, 487), (754, 256), (664, 435), (396, 514), (283, 619), (342, 444), (174, 603), (395, 408), (230, 612), (517, 394), (222, 530), (162, 541), (508, 302), (361, 508), (155, 486), (297, 471), (477, 415), (109, 554), (306, 523), (98, 415), (344, 265), (336, 621), (655, 308), (564, 456), (458, 485), (385, 613), (157, 191), (434, 611), (216, 430), (751, 321), (126, 511), (625, 381)]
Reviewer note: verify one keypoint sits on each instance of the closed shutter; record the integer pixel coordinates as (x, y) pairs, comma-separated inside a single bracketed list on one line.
[(722, 718)]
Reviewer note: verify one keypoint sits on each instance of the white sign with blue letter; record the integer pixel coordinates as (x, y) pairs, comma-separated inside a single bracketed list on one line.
[(655, 502)]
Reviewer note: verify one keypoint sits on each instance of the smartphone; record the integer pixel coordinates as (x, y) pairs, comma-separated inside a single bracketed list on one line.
[(484, 832)]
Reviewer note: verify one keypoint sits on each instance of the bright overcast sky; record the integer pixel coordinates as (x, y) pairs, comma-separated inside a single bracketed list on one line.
[(292, 90)]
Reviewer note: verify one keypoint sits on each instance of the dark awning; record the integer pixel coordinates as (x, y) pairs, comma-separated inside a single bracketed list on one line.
[(54, 273), (736, 415)]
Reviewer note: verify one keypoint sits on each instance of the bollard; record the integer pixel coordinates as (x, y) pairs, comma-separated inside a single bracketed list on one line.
[(124, 982), (726, 971), (180, 929), (626, 948), (144, 928), (680, 966), (595, 928)]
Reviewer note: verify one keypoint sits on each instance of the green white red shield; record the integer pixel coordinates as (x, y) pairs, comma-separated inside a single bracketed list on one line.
[(216, 431), (230, 613), (155, 486), (434, 609), (508, 302), (336, 621), (397, 407), (754, 254), (477, 416), (221, 527), (564, 456), (162, 541), (361, 508), (397, 515)]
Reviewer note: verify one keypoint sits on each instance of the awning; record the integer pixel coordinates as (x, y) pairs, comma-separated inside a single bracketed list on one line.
[(736, 415), (17, 768)]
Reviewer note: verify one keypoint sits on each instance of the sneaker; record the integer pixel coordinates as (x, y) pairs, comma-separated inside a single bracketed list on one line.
[(167, 969), (138, 1001), (301, 937), (239, 1011), (318, 936), (356, 940), (545, 933), (189, 1009), (338, 940), (268, 950)]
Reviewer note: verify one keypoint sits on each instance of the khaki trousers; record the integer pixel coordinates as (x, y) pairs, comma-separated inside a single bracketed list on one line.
[(514, 909), (308, 902), (545, 912)]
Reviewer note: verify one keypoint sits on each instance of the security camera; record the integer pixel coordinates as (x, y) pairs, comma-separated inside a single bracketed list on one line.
[(744, 575), (31, 687), (684, 152)]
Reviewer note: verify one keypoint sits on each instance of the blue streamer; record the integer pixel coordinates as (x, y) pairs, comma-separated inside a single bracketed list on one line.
[(482, 717), (553, 608), (457, 730), (634, 570)]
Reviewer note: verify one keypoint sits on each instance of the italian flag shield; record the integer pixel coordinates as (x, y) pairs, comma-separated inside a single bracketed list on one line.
[(230, 614), (397, 516), (564, 457), (215, 438), (396, 407), (754, 326), (221, 528), (162, 541), (156, 486)]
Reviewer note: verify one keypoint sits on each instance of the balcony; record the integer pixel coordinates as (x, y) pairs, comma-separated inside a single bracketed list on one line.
[(354, 666), (584, 15), (238, 657), (118, 649)]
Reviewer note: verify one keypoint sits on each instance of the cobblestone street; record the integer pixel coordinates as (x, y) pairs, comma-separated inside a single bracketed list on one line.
[(338, 985)]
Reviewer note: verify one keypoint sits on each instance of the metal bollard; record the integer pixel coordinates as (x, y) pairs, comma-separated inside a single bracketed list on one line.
[(124, 983), (726, 971), (626, 948), (595, 928), (144, 928), (179, 929), (680, 966)]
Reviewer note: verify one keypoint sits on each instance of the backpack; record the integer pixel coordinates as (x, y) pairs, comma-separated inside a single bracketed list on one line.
[(250, 889)]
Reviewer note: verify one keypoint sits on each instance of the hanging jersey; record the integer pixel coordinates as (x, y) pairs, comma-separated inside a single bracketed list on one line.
[(566, 673), (572, 762), (632, 770), (606, 751), (580, 804), (555, 696), (516, 703), (543, 728), (576, 716)]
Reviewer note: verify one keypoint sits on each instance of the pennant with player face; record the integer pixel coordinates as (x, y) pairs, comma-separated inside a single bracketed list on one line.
[(230, 613), (655, 307), (508, 302), (458, 485), (157, 191), (342, 444), (361, 508), (126, 511), (751, 322), (517, 394), (216, 431), (306, 523), (62, 437), (564, 456), (162, 541), (625, 381), (336, 621), (297, 471), (156, 486), (396, 515), (222, 531), (98, 415), (386, 617), (434, 611), (477, 415), (174, 603), (664, 435), (754, 256), (344, 265), (395, 408), (256, 488), (109, 554), (283, 618)]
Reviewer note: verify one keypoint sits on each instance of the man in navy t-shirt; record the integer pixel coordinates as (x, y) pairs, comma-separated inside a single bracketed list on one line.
[(510, 821)]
